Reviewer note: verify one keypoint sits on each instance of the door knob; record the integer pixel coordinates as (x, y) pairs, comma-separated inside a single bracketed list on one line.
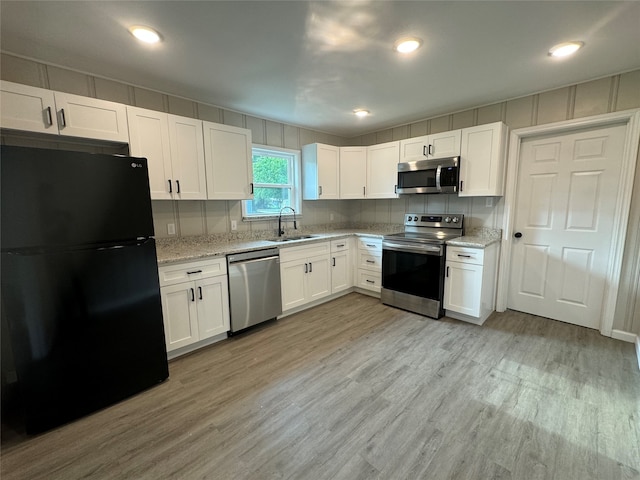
[(517, 234)]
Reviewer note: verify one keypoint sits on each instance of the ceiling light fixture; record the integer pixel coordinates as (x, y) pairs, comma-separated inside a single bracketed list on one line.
[(407, 45), (145, 34), (360, 112), (565, 49)]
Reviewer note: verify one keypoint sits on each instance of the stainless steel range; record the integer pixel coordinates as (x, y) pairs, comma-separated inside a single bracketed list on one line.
[(413, 262)]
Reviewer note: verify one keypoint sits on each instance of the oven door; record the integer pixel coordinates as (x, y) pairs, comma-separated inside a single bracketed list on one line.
[(413, 277)]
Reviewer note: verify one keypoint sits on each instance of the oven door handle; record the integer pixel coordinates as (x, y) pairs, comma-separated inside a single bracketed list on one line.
[(422, 249)]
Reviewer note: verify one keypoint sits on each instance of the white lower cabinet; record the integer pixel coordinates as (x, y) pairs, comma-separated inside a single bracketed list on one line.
[(341, 265), (195, 301), (369, 264), (305, 274), (470, 283)]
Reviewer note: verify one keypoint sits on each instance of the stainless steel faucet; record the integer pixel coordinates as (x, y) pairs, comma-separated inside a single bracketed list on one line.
[(295, 226)]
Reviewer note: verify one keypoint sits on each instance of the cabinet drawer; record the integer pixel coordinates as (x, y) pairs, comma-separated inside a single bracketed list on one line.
[(340, 245), (369, 261), (290, 254), (369, 280), (184, 272), (465, 255), (370, 243)]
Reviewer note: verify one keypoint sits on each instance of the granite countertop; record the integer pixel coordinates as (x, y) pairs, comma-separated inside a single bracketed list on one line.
[(180, 249), (478, 238)]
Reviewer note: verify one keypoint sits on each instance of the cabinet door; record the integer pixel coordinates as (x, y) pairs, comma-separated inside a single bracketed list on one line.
[(328, 172), (319, 278), (353, 172), (27, 108), (91, 118), (482, 162), (187, 157), (149, 138), (292, 276), (180, 315), (340, 272), (445, 144), (228, 160), (212, 300), (463, 288), (416, 148), (382, 170)]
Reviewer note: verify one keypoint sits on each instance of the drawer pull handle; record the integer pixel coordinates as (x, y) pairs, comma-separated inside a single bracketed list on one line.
[(464, 256), (369, 245), (370, 281), (194, 271), (340, 245), (370, 261)]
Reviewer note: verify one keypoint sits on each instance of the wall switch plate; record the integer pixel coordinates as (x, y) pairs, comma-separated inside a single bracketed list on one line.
[(488, 202), (171, 228), (234, 224)]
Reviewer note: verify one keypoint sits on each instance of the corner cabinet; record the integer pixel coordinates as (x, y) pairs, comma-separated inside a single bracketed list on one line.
[(228, 159), (321, 172), (382, 170), (341, 265), (45, 111), (173, 147), (482, 160), (305, 274), (470, 282), (195, 302), (437, 145)]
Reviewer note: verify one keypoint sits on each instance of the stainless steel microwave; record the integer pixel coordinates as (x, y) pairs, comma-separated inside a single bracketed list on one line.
[(429, 176)]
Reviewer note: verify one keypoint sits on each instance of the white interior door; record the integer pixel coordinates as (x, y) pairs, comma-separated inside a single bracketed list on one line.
[(565, 206)]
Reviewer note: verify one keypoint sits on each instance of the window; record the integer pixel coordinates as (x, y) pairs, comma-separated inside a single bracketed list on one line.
[(276, 183)]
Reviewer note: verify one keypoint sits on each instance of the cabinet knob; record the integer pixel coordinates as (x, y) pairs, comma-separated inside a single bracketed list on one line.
[(517, 235)]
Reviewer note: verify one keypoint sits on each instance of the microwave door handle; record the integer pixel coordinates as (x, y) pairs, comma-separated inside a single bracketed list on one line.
[(438, 171)]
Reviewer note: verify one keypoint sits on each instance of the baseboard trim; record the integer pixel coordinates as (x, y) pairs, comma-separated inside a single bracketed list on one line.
[(624, 336)]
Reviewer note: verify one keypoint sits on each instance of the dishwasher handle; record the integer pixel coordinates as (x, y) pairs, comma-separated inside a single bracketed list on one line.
[(255, 260)]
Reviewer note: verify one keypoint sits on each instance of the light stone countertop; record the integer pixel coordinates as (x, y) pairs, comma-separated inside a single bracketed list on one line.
[(478, 238), (180, 249)]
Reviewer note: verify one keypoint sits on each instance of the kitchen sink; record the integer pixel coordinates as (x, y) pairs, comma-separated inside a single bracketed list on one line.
[(289, 239)]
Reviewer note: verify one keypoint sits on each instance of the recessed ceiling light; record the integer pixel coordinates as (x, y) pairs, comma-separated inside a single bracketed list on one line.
[(145, 34), (407, 45), (565, 49), (360, 112)]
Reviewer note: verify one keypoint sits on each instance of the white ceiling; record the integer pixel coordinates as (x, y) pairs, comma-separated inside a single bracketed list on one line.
[(310, 63)]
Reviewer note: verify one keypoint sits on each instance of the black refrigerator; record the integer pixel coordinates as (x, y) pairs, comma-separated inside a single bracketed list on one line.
[(80, 296)]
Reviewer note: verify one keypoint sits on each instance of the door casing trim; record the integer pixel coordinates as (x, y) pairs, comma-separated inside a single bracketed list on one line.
[(631, 119)]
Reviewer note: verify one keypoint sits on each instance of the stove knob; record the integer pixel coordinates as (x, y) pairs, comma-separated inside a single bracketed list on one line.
[(447, 219), (415, 219), (456, 219), (409, 218)]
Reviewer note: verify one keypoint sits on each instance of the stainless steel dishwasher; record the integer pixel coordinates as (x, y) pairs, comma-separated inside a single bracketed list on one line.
[(254, 287)]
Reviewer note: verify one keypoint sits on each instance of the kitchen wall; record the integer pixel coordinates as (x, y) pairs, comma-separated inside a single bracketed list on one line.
[(614, 93), (610, 94), (189, 217)]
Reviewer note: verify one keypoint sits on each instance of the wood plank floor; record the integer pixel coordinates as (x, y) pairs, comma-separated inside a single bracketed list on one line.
[(353, 390)]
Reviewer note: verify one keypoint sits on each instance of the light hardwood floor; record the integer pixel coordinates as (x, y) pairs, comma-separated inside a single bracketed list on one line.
[(356, 390)]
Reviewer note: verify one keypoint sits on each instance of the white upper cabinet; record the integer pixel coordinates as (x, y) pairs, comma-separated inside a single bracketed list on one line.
[(174, 149), (45, 111), (187, 157), (353, 172), (149, 138), (27, 108), (320, 172), (437, 145), (482, 160), (228, 160), (382, 170)]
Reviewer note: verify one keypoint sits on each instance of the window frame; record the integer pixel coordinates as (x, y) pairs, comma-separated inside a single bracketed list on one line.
[(295, 174)]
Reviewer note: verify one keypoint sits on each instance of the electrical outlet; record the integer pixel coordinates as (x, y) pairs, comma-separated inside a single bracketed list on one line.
[(234, 224), (171, 228), (488, 202)]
